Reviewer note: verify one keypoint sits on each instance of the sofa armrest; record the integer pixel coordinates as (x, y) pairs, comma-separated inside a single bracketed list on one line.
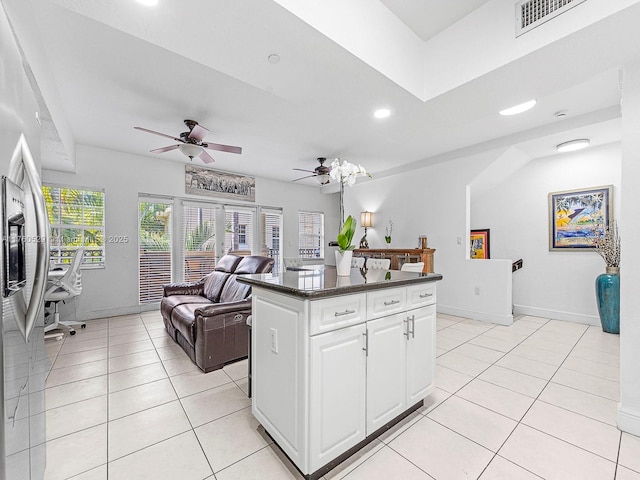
[(224, 308), (192, 288)]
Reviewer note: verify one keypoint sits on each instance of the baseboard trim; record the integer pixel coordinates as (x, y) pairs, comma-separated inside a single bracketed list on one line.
[(629, 420), (481, 316), (556, 315), (116, 312)]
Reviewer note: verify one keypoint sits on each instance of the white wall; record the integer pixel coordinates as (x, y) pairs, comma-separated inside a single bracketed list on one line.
[(629, 407), (114, 289), (434, 201), (552, 284)]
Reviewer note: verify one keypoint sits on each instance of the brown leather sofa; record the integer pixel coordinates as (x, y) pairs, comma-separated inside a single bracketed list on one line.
[(208, 318)]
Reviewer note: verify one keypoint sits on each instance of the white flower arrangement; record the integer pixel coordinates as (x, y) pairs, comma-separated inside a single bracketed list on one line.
[(346, 172)]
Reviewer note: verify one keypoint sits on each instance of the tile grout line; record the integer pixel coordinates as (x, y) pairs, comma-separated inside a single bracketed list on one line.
[(193, 431), (452, 394), (546, 433)]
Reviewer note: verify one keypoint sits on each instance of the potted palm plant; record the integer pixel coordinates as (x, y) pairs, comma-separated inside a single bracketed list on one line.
[(343, 256), (607, 244)]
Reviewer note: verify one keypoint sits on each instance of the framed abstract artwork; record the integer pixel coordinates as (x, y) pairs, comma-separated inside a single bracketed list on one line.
[(480, 240), (575, 216)]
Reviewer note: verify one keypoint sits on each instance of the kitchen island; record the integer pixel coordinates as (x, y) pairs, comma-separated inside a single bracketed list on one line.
[(336, 361)]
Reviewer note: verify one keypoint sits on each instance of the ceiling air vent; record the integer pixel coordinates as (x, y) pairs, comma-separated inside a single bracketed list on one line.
[(532, 13)]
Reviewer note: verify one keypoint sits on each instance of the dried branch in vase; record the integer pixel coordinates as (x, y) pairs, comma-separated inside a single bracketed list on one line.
[(606, 241)]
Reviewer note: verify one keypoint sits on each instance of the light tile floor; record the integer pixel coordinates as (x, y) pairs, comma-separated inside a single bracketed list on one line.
[(533, 400)]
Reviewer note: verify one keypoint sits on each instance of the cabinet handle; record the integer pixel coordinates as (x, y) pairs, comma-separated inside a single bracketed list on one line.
[(413, 326), (426, 295), (406, 333), (392, 302), (366, 342), (346, 312)]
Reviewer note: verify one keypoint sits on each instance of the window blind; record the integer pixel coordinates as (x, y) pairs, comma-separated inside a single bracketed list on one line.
[(239, 231), (198, 240), (76, 219), (271, 236), (154, 233), (310, 234)]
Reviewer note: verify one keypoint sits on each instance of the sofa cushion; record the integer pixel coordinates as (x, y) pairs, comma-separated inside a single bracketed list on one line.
[(254, 264), (213, 284), (234, 291), (169, 303), (227, 263), (183, 319)]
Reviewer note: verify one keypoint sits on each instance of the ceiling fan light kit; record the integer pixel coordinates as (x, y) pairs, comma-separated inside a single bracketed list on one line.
[(190, 150), (191, 144)]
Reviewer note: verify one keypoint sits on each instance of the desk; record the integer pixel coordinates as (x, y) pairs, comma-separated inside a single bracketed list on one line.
[(426, 255)]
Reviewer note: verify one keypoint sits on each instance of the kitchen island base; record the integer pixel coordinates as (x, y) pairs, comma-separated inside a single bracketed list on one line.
[(353, 450), (333, 365)]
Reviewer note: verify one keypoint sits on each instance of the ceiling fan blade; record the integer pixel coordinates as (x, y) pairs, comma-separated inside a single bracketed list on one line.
[(158, 133), (206, 158), (165, 149), (198, 132), (222, 148), (303, 170), (302, 178)]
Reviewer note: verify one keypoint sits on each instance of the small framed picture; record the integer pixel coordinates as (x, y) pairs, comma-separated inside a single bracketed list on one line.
[(480, 243), (576, 216)]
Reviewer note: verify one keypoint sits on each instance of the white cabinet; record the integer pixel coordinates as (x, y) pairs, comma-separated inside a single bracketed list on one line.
[(337, 393), (386, 370), (421, 353), (400, 363), (327, 373)]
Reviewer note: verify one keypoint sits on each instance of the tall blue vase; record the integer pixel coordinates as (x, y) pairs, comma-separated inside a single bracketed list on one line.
[(608, 293)]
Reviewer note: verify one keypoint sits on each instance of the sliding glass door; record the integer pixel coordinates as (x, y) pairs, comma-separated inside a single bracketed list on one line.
[(199, 235), (154, 241)]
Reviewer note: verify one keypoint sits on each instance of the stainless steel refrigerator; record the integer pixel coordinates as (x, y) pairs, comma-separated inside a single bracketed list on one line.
[(23, 273)]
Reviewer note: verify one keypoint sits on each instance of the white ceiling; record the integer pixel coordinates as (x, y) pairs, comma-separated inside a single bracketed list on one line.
[(116, 65), (427, 18)]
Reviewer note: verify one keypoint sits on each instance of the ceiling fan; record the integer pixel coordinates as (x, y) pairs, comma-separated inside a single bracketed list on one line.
[(191, 143), (320, 172)]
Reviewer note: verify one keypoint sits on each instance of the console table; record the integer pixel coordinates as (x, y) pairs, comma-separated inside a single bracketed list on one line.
[(426, 255)]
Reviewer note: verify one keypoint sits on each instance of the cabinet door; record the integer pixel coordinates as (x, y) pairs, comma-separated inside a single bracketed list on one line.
[(386, 370), (421, 348), (337, 393)]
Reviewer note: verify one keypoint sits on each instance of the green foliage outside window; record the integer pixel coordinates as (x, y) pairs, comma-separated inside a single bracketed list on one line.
[(155, 226), (76, 217)]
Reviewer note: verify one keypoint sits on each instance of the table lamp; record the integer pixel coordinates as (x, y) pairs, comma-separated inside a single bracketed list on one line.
[(366, 220)]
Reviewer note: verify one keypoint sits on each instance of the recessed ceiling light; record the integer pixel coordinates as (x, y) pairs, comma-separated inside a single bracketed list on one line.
[(573, 145), (382, 113), (523, 107), (273, 58), (148, 3)]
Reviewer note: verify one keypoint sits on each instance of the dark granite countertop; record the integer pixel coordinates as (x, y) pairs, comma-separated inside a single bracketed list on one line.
[(323, 282)]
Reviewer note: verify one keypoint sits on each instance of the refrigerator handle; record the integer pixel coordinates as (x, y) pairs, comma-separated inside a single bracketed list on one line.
[(23, 167)]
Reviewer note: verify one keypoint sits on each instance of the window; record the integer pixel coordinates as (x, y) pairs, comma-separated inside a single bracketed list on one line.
[(310, 234), (155, 223), (199, 240), (76, 217), (238, 235), (242, 235), (270, 228)]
